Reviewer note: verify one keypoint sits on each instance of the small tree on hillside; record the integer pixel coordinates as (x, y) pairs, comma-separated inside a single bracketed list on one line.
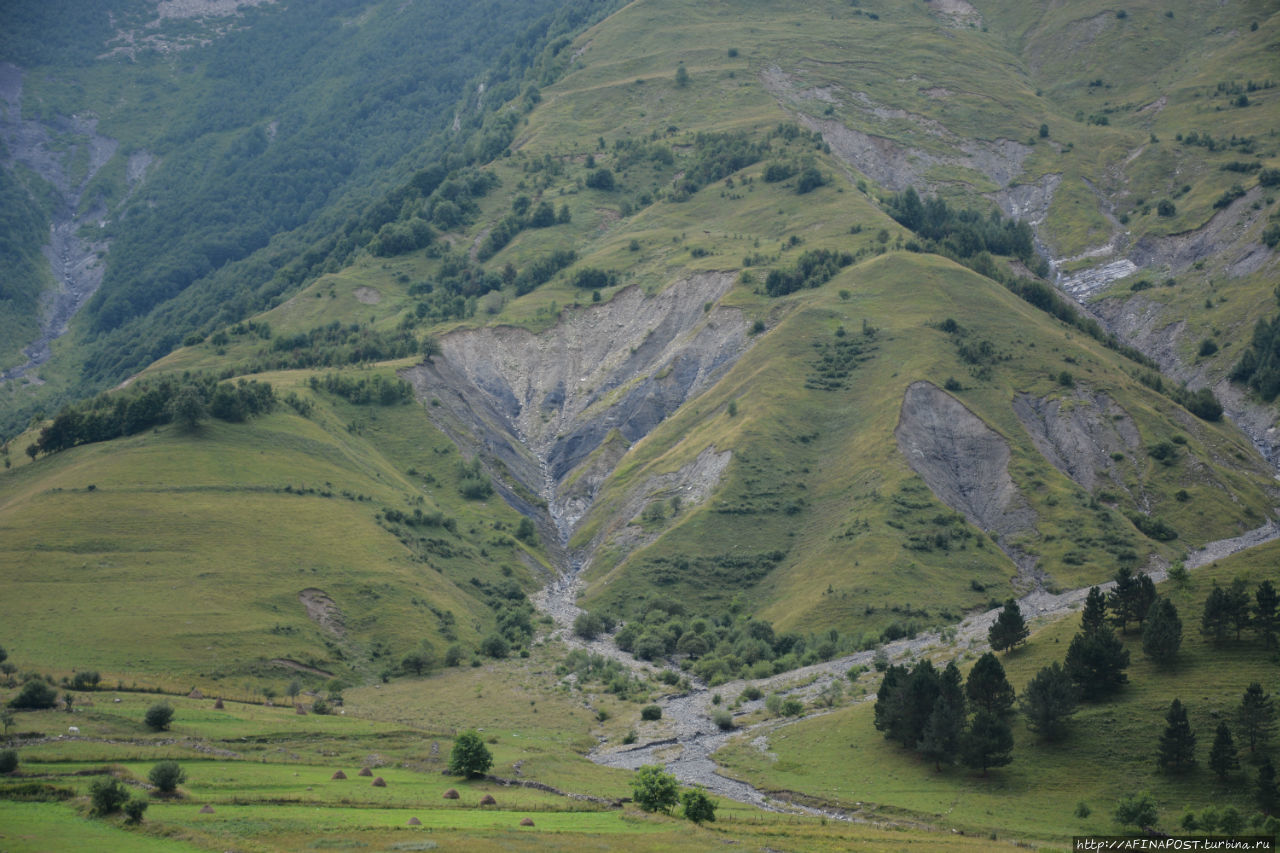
[(988, 688), (682, 76), (34, 695), (1223, 757), (1136, 810), (167, 776), (1176, 751), (654, 790), (698, 807), (107, 796), (1009, 629), (987, 743), (469, 756), (1049, 701), (1162, 632), (1094, 615), (1215, 620), (942, 733), (159, 716), (1096, 662), (1257, 716)]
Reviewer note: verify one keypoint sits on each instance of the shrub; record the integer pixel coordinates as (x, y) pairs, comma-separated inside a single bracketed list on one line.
[(107, 795), (751, 694), (601, 179), (723, 720), (35, 694), (651, 712), (792, 708), (159, 716), (167, 776), (134, 809), (8, 760), (698, 806)]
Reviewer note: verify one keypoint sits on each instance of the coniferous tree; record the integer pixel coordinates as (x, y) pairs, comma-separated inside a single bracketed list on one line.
[(1144, 596), (1049, 700), (1009, 629), (1096, 662), (888, 700), (1123, 598), (1267, 794), (1257, 716), (988, 688), (1238, 609), (1215, 621), (1265, 612), (1094, 615), (951, 687), (1223, 757), (942, 732), (1176, 751), (918, 697), (988, 742), (1162, 632)]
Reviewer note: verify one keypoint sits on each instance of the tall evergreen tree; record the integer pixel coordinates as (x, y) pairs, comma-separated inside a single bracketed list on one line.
[(988, 688), (1176, 751), (887, 699), (1223, 757), (1094, 615), (942, 732), (1238, 608), (1144, 595), (988, 742), (1123, 597), (1257, 716), (1162, 632), (918, 697), (1215, 621), (1265, 617), (951, 687), (1009, 629), (1049, 701), (1096, 662), (1267, 794)]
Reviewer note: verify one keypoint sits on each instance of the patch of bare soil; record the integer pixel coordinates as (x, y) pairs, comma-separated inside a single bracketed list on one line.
[(322, 610), (1079, 434), (964, 461), (367, 295)]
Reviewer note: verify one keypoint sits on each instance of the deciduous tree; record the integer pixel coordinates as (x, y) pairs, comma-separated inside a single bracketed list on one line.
[(469, 756)]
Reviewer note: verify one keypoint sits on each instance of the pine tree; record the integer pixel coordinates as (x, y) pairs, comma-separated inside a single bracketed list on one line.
[(1144, 595), (1049, 701), (988, 688), (1264, 612), (1267, 794), (1096, 662), (1257, 716), (888, 703), (1178, 742), (988, 742), (1216, 618), (1123, 597), (918, 697), (1223, 758), (942, 733), (1162, 632), (1009, 629), (1094, 615), (1238, 609)]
